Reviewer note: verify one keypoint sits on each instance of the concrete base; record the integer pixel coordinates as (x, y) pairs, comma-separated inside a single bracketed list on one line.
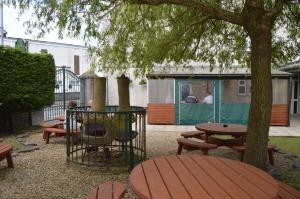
[(293, 130)]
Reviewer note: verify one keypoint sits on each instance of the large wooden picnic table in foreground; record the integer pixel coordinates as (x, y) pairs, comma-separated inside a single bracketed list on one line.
[(196, 176)]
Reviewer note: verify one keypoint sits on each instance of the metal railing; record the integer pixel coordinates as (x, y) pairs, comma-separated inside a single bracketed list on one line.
[(110, 138), (67, 88)]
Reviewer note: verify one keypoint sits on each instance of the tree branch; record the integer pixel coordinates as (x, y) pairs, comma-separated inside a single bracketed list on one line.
[(277, 9), (205, 9), (256, 4)]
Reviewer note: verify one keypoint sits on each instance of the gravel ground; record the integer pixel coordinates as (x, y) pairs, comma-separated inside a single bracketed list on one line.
[(45, 173)]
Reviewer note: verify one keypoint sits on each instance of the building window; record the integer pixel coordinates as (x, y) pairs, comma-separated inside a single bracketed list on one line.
[(76, 65), (242, 87)]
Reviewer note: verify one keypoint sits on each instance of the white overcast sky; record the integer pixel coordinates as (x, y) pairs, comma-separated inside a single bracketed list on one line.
[(15, 28)]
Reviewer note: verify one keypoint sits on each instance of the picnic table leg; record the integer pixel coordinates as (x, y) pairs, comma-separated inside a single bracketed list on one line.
[(242, 156), (10, 163), (205, 151), (271, 157), (47, 137), (206, 137), (243, 139), (179, 149)]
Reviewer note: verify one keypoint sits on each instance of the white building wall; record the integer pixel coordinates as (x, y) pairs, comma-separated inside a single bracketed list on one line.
[(63, 53), (138, 93)]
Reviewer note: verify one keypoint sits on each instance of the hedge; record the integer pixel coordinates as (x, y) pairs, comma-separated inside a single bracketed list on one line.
[(27, 80)]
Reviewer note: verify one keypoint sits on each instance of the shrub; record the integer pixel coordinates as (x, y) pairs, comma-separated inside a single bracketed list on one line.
[(27, 80)]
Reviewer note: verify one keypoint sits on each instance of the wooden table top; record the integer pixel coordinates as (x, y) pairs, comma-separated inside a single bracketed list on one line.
[(61, 118), (222, 129), (196, 176), (51, 123)]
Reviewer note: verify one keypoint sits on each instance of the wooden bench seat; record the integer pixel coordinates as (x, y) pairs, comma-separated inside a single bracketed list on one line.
[(193, 134), (287, 192), (212, 140), (190, 144), (57, 131), (5, 152), (108, 190), (271, 150)]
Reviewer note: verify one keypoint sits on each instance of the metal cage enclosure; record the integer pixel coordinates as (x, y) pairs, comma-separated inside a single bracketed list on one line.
[(110, 138)]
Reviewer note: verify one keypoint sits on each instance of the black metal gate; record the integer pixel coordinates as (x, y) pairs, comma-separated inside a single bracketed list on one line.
[(67, 88)]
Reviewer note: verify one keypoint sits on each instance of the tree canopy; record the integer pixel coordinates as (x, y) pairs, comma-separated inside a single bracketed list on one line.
[(125, 34), (142, 33)]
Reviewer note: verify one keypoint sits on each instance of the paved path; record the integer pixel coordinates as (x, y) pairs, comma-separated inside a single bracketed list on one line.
[(292, 130)]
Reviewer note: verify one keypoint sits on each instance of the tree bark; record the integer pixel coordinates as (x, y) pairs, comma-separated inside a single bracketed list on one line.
[(99, 94), (123, 91), (261, 97)]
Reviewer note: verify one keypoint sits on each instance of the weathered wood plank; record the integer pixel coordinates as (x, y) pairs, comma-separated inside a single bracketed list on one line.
[(139, 183), (175, 187), (161, 113), (203, 178), (155, 183), (191, 184), (230, 187), (238, 178), (279, 114)]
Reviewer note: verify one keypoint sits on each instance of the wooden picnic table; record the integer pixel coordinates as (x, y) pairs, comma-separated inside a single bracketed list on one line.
[(52, 123), (235, 130), (196, 176), (61, 118)]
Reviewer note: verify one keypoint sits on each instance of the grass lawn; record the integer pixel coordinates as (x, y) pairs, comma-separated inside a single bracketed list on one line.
[(13, 141), (290, 144), (292, 178)]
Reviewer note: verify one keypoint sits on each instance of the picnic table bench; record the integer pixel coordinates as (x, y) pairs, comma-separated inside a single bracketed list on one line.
[(108, 190), (190, 144), (271, 148), (54, 126), (58, 132), (5, 152)]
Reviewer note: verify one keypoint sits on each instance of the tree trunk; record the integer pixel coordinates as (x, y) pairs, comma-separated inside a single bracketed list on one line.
[(123, 91), (261, 95), (99, 94)]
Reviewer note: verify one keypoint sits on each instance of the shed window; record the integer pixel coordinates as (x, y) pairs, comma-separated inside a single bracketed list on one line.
[(242, 87), (196, 91), (280, 91), (161, 90)]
